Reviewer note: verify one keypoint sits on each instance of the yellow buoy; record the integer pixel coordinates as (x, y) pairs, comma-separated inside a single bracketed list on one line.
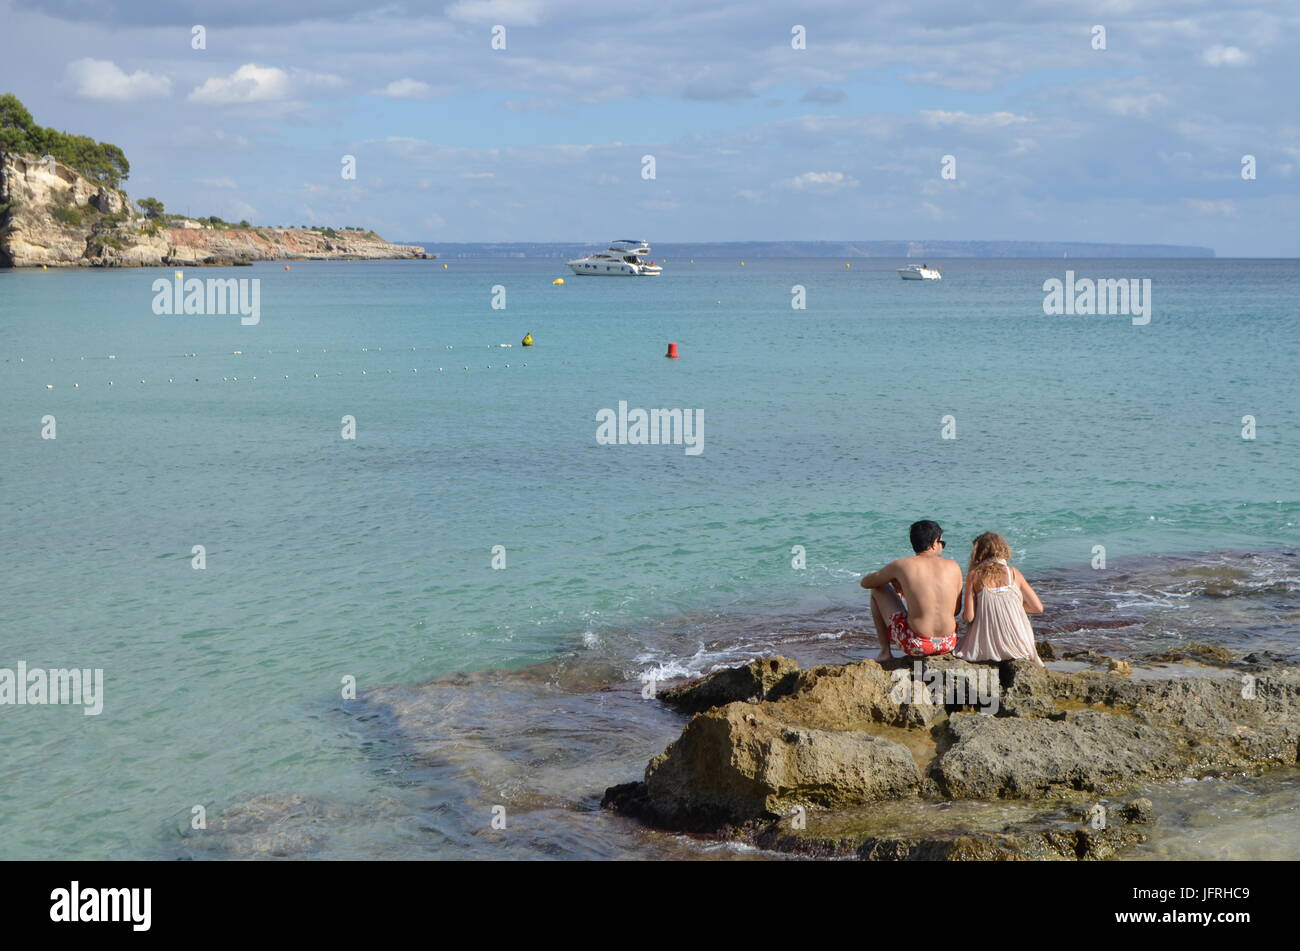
[(444, 267), (558, 280), (528, 340), (178, 275), (742, 263), (847, 264)]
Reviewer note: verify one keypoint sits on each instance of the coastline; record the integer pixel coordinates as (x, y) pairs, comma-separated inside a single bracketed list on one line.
[(547, 739), (53, 216)]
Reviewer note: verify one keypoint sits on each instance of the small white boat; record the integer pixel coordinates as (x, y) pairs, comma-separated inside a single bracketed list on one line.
[(623, 259), (920, 272)]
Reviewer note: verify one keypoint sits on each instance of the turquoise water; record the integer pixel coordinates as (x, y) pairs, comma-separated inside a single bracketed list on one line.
[(372, 558)]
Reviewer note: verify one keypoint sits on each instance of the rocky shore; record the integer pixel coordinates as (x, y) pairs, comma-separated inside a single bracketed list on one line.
[(953, 760), (52, 215)]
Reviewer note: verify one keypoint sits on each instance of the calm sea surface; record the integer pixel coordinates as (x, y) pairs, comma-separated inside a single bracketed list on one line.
[(372, 558)]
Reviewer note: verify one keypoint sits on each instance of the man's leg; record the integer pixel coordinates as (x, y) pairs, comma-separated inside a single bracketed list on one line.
[(884, 605)]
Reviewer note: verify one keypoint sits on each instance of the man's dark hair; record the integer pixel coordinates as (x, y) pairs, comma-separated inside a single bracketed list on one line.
[(924, 534)]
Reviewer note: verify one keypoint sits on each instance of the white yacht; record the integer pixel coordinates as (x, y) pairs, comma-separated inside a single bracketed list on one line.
[(622, 259), (920, 272)]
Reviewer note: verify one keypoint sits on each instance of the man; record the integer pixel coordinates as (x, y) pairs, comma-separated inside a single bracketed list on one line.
[(923, 621)]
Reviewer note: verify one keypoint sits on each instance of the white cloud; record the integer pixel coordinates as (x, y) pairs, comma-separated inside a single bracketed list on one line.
[(102, 81), (1219, 55), (1205, 207), (508, 12), (406, 89), (1136, 105), (1130, 98), (967, 120), (824, 96), (532, 105), (253, 83), (822, 181)]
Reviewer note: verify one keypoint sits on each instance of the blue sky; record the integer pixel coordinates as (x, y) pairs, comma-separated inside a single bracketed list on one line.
[(1053, 138)]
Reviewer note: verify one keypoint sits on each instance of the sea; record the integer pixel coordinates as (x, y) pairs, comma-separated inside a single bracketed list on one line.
[(364, 583)]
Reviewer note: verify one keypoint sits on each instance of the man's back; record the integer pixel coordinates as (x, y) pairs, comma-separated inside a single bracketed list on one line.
[(932, 587)]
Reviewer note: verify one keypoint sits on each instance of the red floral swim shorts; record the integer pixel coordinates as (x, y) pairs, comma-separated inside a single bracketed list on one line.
[(914, 645)]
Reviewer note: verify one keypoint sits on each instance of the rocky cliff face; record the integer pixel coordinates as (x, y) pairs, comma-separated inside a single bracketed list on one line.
[(52, 215)]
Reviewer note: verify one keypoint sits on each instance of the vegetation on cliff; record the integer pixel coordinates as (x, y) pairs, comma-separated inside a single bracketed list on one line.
[(104, 164), (101, 162)]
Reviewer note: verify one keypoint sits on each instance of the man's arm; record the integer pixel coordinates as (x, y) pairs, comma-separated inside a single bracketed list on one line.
[(878, 579)]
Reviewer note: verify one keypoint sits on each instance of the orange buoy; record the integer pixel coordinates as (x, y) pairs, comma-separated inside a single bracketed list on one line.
[(672, 351), (287, 268)]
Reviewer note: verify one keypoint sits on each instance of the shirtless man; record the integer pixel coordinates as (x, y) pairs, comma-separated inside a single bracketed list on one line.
[(923, 621)]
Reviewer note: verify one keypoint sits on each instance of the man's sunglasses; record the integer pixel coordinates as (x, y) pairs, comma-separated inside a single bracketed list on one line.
[(942, 543)]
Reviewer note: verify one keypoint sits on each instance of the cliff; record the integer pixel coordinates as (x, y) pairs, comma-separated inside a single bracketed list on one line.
[(51, 214)]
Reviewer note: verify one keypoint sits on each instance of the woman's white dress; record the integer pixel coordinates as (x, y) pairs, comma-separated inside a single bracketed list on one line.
[(1001, 629)]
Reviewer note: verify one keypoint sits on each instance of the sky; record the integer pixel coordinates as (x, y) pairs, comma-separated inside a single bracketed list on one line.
[(1039, 120)]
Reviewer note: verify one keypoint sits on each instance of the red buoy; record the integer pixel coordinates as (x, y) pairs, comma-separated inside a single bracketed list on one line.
[(672, 351)]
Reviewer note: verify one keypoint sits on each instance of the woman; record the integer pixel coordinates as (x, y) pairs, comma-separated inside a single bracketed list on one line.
[(997, 604)]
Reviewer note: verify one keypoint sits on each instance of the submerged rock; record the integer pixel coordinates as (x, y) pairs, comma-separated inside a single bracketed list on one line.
[(782, 746), (1035, 834), (1200, 653)]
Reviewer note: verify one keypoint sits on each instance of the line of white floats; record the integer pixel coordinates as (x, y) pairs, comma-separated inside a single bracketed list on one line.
[(314, 376), (239, 353)]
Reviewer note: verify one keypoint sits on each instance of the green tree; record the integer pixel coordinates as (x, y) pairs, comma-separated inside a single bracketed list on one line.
[(99, 161), (16, 125), (151, 207)]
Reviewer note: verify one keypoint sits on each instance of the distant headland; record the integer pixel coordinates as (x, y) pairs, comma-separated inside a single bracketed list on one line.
[(62, 205), (837, 249)]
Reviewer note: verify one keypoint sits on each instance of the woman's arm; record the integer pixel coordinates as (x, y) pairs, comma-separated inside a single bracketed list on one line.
[(968, 600), (1032, 604)]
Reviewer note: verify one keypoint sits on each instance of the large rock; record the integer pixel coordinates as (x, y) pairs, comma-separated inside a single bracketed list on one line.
[(913, 695), (739, 762), (843, 696), (837, 737), (764, 679), (1011, 757)]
